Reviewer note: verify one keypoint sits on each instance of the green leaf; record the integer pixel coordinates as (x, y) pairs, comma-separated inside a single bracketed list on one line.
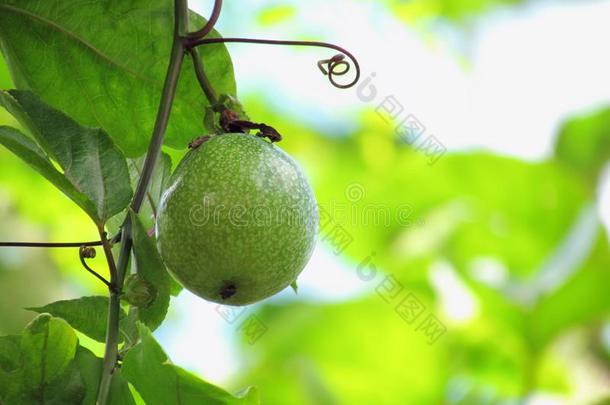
[(87, 314), (30, 153), (89, 159), (69, 390), (48, 347), (150, 267), (9, 352), (158, 381), (190, 389), (110, 73), (90, 368), (583, 143)]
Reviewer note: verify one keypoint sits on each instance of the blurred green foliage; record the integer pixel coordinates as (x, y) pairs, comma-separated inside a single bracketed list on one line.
[(275, 14), (526, 220)]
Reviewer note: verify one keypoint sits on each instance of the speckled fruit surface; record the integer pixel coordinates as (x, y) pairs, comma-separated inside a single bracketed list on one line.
[(238, 220)]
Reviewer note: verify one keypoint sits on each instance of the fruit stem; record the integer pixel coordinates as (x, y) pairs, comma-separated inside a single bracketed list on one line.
[(154, 149)]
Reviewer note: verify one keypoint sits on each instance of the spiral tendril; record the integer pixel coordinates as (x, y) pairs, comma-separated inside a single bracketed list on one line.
[(331, 64), (197, 38), (331, 70)]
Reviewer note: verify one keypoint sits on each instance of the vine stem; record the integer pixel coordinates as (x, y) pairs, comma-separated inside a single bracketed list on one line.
[(50, 244), (154, 149)]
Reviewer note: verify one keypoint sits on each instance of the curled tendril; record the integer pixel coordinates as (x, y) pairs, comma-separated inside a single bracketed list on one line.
[(88, 252), (331, 69), (328, 66), (196, 38)]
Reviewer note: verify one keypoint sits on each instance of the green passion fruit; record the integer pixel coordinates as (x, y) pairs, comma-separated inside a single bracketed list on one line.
[(238, 220)]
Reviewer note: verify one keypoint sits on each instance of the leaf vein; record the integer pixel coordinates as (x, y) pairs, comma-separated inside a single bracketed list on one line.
[(82, 41)]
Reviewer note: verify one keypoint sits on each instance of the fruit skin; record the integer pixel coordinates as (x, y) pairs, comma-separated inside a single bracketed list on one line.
[(238, 220)]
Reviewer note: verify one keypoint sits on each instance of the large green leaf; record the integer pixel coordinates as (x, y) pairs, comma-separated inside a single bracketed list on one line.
[(159, 382), (90, 368), (30, 153), (104, 64), (48, 376), (150, 267), (87, 314), (89, 159)]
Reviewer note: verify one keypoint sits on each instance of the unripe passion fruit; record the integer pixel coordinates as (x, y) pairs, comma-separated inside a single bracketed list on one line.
[(238, 220)]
